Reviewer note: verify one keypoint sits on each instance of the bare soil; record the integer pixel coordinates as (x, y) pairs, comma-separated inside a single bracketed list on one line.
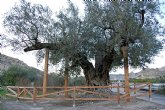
[(135, 104)]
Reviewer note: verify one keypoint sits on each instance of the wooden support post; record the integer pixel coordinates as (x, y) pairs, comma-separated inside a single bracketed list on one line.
[(126, 71), (45, 78), (118, 93), (150, 89)]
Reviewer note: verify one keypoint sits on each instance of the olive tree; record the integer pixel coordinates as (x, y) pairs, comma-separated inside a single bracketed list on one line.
[(107, 32)]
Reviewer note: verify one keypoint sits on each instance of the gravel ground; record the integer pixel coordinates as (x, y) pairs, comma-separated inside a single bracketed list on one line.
[(135, 104)]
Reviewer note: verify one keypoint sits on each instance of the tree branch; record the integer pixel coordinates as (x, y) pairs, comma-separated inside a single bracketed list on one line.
[(39, 46)]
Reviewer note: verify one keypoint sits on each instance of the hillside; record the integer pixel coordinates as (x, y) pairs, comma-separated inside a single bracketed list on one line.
[(151, 73), (6, 62)]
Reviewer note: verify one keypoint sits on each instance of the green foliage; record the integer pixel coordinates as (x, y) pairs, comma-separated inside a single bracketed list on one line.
[(16, 75), (29, 22), (58, 80), (142, 80), (55, 79), (116, 22), (2, 92), (161, 90), (77, 81), (161, 79), (156, 80)]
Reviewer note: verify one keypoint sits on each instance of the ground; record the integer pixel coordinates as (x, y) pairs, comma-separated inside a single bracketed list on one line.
[(135, 104)]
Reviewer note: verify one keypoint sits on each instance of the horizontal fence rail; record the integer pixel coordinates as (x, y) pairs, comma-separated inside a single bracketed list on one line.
[(114, 91)]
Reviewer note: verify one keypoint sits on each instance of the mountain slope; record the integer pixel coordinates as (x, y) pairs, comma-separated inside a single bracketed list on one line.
[(6, 62)]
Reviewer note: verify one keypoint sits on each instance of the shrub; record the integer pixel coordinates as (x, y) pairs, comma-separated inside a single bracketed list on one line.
[(161, 90), (58, 80), (156, 80), (16, 75), (55, 79), (77, 81), (2, 92)]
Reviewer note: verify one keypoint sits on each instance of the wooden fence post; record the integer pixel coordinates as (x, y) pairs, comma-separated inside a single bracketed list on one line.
[(118, 93), (134, 88), (34, 94), (74, 96), (150, 89), (18, 92), (66, 82)]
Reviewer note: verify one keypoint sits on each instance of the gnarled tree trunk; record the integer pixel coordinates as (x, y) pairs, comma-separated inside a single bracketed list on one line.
[(98, 75)]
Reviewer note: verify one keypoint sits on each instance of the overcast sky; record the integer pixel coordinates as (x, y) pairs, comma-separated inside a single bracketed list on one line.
[(55, 5)]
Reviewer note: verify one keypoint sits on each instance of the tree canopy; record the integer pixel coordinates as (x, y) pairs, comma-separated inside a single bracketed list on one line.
[(99, 35)]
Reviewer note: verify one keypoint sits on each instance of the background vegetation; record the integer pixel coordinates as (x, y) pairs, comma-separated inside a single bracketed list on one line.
[(156, 80), (24, 76), (21, 76)]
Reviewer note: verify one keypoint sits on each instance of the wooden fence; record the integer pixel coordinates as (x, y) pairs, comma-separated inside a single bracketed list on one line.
[(112, 92)]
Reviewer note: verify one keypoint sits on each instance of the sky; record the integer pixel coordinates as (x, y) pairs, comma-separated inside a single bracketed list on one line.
[(29, 57), (55, 5)]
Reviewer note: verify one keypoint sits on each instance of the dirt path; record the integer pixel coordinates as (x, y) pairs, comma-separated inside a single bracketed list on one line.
[(135, 104)]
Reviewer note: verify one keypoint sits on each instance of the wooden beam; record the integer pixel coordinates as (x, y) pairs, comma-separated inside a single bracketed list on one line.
[(45, 78)]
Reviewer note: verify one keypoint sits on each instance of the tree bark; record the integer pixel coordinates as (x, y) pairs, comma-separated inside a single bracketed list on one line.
[(104, 68), (88, 68)]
